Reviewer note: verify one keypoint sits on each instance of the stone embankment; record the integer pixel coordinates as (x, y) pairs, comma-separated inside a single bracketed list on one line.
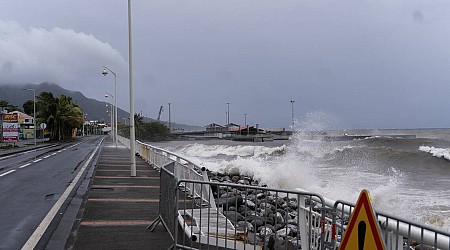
[(268, 218)]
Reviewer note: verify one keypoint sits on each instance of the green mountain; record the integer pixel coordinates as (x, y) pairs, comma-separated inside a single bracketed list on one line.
[(95, 110)]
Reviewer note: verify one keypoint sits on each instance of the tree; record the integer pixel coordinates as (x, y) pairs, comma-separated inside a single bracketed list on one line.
[(28, 107), (155, 131), (138, 124), (6, 105), (61, 114), (146, 131)]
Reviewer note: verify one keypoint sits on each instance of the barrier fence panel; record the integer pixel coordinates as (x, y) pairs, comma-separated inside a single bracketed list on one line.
[(167, 199), (183, 169), (397, 233), (248, 217)]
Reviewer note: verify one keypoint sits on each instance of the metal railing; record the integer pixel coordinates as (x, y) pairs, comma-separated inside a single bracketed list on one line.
[(397, 232), (249, 217), (183, 168), (198, 199)]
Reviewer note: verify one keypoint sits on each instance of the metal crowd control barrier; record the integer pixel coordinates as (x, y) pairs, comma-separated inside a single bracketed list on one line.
[(167, 197), (321, 221), (249, 217)]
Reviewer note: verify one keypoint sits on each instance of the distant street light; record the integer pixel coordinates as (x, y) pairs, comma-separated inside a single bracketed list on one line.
[(105, 72), (111, 117), (245, 122), (228, 115), (292, 125), (34, 112), (84, 121), (170, 124)]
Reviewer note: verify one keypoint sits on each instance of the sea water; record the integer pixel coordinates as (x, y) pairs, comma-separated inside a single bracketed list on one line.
[(406, 177)]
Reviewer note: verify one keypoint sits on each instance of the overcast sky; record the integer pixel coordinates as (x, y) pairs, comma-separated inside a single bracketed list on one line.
[(346, 64)]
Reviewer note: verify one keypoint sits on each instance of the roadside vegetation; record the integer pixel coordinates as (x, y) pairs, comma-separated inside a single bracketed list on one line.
[(146, 131)]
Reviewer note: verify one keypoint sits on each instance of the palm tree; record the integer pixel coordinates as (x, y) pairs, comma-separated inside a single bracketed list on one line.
[(138, 124), (8, 106), (69, 116), (28, 107), (61, 114), (46, 106)]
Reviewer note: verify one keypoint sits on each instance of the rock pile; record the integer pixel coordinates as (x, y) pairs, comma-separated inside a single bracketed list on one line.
[(268, 218)]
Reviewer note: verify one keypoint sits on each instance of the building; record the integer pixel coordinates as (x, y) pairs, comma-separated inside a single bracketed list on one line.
[(26, 125)]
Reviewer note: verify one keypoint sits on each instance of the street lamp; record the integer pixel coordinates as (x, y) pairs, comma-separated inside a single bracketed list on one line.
[(113, 134), (228, 115), (130, 70), (84, 121), (245, 122), (34, 113), (110, 113), (170, 125), (85, 118), (105, 72), (292, 125)]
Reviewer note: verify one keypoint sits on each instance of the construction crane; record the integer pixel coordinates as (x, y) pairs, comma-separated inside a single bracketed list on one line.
[(159, 113)]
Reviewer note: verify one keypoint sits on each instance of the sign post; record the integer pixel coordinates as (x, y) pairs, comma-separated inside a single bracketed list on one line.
[(43, 126), (362, 231), (10, 127)]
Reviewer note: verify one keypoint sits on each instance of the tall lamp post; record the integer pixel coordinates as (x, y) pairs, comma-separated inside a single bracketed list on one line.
[(113, 127), (228, 115), (292, 124), (245, 122), (130, 70), (34, 113), (170, 124), (110, 113), (105, 72)]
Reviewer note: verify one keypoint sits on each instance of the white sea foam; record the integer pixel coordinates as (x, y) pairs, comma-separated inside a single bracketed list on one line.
[(437, 152), (334, 170), (208, 151)]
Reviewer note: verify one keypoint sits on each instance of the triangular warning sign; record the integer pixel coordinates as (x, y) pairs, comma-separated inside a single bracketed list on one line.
[(362, 231)]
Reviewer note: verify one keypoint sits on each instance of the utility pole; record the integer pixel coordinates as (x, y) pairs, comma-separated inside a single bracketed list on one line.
[(130, 70), (228, 115), (170, 125), (292, 124)]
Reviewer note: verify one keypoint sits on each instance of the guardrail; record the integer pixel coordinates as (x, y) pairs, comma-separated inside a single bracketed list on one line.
[(323, 233), (250, 217), (397, 232), (183, 168)]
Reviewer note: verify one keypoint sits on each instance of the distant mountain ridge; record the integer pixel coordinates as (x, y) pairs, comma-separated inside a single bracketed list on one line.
[(95, 110)]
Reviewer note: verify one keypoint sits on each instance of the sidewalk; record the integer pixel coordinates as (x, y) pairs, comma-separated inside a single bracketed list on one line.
[(118, 208), (22, 145)]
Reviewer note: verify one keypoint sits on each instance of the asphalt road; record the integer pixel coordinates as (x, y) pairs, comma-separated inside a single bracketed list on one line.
[(32, 183)]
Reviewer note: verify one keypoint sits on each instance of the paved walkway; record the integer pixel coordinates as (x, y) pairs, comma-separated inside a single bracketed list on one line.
[(118, 208), (21, 146)]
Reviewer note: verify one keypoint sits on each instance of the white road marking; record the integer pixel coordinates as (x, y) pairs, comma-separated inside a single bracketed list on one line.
[(38, 160), (54, 153), (25, 165), (10, 171), (40, 230), (45, 157)]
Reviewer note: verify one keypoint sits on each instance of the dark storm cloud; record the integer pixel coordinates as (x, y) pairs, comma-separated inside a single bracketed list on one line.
[(371, 64)]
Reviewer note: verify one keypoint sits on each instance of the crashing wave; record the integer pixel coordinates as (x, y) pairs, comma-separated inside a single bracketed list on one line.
[(437, 152)]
